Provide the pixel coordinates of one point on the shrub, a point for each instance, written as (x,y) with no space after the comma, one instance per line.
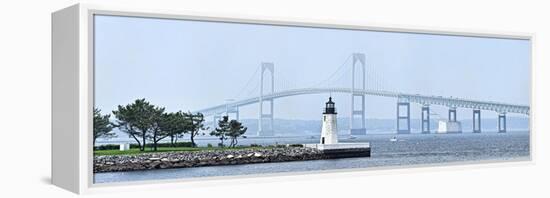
(295,145)
(255,145)
(209,145)
(132,146)
(179,144)
(107,147)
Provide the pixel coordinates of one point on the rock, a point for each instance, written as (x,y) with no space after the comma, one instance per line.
(155,164)
(185,159)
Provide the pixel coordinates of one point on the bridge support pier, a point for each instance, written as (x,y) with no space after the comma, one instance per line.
(406,116)
(476,121)
(502,123)
(425,119)
(266,116)
(452,114)
(358,60)
(358,113)
(235,111)
(215,118)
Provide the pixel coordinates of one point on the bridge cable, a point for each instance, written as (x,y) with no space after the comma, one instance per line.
(248,83)
(333,74)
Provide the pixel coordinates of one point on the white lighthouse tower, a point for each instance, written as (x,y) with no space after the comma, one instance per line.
(329,132)
(329,145)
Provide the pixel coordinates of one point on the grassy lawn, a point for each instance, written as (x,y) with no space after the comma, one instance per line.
(135,151)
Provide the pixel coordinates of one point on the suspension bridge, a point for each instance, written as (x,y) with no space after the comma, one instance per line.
(358,90)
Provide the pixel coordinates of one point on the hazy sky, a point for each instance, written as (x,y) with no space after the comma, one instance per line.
(190,65)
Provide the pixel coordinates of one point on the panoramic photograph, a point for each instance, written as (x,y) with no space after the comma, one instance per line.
(183,99)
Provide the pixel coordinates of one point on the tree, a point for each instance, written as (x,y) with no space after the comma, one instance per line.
(138,119)
(174,125)
(103,128)
(236,129)
(221,130)
(157,132)
(229,129)
(195,125)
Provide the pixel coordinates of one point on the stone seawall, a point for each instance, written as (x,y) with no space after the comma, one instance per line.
(185,159)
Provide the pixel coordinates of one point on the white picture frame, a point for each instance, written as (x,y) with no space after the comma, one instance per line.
(72,84)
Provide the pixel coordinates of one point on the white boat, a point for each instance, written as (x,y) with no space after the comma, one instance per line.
(393,139)
(351,137)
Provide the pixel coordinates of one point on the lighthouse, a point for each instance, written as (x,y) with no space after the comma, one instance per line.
(329,146)
(329,131)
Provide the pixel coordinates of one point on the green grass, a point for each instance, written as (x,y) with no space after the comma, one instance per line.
(135,151)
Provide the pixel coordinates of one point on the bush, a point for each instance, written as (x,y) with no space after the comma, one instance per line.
(255,145)
(179,144)
(295,145)
(209,145)
(135,146)
(107,147)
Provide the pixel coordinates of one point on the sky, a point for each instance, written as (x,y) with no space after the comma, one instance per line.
(191,65)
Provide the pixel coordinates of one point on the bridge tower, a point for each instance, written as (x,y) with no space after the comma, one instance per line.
(358,60)
(263,116)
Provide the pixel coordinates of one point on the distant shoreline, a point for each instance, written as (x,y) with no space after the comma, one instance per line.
(306,136)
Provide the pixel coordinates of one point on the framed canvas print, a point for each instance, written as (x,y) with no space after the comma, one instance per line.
(142,96)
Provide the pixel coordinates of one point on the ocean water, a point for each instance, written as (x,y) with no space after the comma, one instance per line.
(410,149)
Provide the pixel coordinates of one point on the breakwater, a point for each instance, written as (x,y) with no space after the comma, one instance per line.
(186,159)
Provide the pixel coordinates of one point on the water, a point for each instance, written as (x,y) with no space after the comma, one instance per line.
(408,150)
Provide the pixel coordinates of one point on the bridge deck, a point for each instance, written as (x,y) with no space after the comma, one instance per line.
(414,98)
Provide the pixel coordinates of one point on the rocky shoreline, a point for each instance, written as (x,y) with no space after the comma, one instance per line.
(186,159)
